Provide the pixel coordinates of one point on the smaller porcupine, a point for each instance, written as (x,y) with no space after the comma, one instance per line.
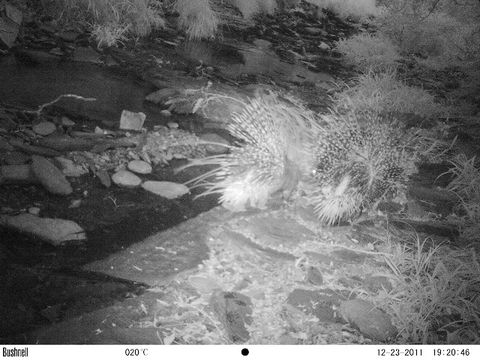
(341,162)
(269,159)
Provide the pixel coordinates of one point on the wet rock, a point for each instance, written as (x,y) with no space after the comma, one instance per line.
(32,149)
(204,284)
(369,320)
(66,143)
(314,276)
(9,25)
(234,311)
(166,189)
(126,179)
(215,148)
(139,167)
(69,168)
(104,178)
(132,120)
(52,179)
(161,96)
(12,174)
(54,231)
(16,158)
(44,128)
(350,256)
(318,303)
(376,283)
(87,55)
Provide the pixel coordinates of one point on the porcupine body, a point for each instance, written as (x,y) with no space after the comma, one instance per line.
(360,158)
(343,163)
(270,157)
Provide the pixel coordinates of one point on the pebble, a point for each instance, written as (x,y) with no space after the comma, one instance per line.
(166,113)
(139,167)
(34,210)
(52,178)
(67,122)
(124,178)
(132,120)
(166,189)
(44,128)
(324,46)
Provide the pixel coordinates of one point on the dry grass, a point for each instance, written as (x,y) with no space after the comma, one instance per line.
(250,8)
(112,20)
(435,298)
(197,18)
(368,51)
(437,37)
(354,9)
(383,92)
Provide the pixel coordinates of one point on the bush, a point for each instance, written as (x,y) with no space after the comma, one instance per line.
(369,51)
(197,18)
(354,9)
(382,92)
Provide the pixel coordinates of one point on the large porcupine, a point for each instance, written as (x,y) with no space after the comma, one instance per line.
(341,162)
(360,157)
(269,158)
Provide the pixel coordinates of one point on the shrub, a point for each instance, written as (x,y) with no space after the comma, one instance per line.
(383,92)
(197,18)
(355,9)
(369,51)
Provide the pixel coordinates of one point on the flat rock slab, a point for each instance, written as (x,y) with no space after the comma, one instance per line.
(161,256)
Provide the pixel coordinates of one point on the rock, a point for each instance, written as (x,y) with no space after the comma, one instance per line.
(324,46)
(12,174)
(215,148)
(34,210)
(54,231)
(166,189)
(161,96)
(314,276)
(375,283)
(172,125)
(104,178)
(10,25)
(139,167)
(31,149)
(16,158)
(369,320)
(262,44)
(66,143)
(67,122)
(124,178)
(44,128)
(310,30)
(5,146)
(75,204)
(165,113)
(203,284)
(132,120)
(69,168)
(69,36)
(234,311)
(318,303)
(50,176)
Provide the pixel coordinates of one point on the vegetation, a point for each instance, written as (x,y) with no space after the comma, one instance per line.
(354,9)
(197,18)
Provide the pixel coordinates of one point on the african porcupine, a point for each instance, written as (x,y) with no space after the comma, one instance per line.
(341,162)
(359,157)
(271,157)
